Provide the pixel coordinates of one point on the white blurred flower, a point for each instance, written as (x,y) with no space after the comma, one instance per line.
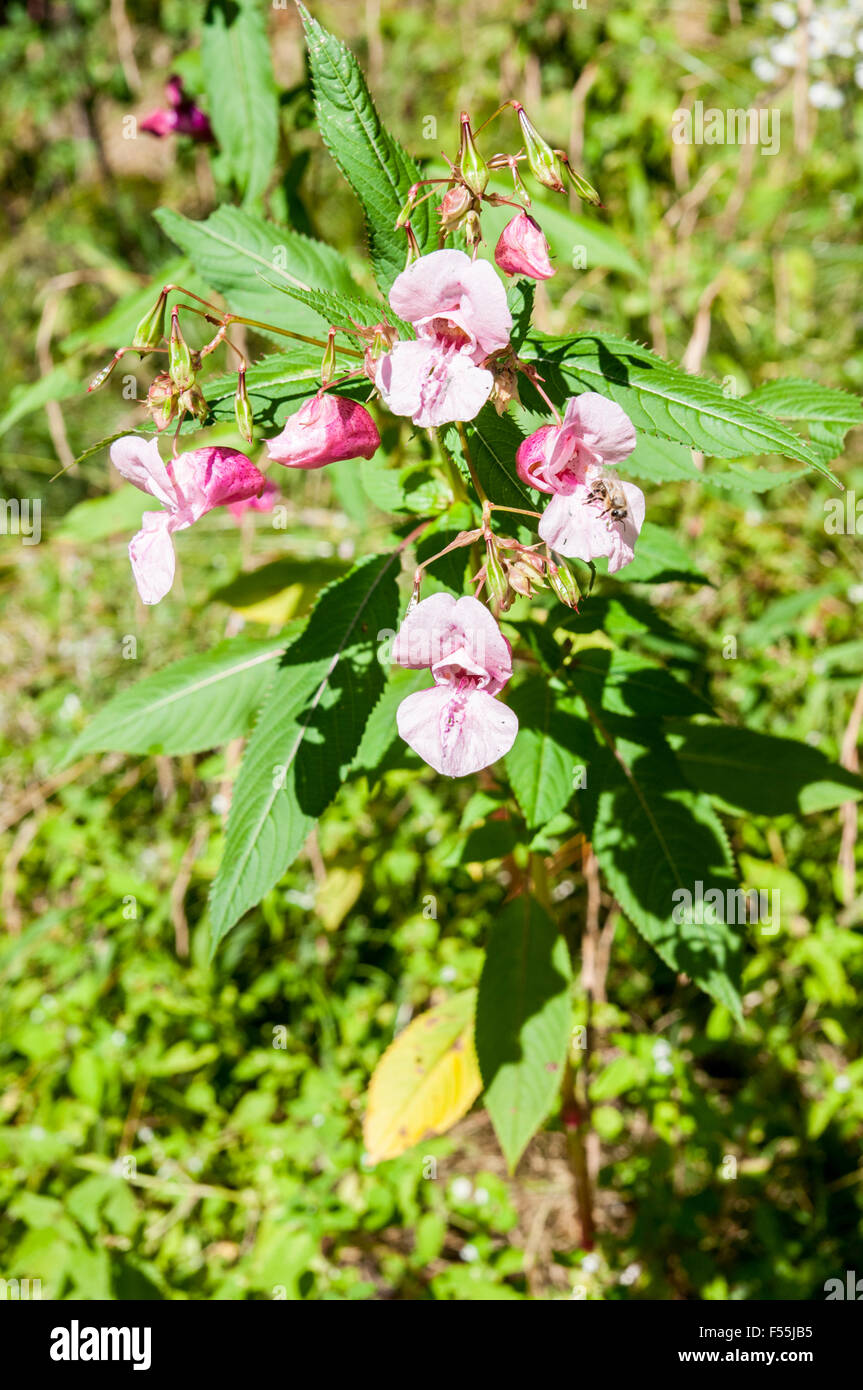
(630,1274)
(480,1196)
(461,1189)
(469,1253)
(784,53)
(858,74)
(764,70)
(842,1084)
(591,1263)
(825,97)
(784,14)
(448,974)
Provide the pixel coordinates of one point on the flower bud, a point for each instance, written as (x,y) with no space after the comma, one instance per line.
(584,189)
(151,329)
(180,364)
(243,409)
(495,578)
(192,400)
(471,164)
(326,429)
(456,203)
(544,163)
(562,581)
(162,400)
(472,228)
(328,365)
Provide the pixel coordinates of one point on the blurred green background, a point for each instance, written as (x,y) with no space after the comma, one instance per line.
(159,1137)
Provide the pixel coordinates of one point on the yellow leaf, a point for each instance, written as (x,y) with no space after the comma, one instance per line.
(337,895)
(426,1080)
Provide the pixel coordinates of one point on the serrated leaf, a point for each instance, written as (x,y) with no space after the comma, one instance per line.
(662,399)
(523,1022)
(660,461)
(244,103)
(191,705)
(426,1080)
(306,737)
(373,162)
(552,740)
(653,836)
(237,253)
(760,773)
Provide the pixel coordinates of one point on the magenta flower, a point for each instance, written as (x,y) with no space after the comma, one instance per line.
(458,308)
(324,430)
(594,432)
(456,725)
(601,516)
(523,250)
(181,117)
(188,486)
(264,503)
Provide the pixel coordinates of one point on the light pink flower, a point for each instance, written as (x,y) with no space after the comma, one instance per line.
(188,487)
(523,250)
(324,430)
(595,431)
(264,503)
(579,523)
(458,308)
(180,117)
(456,726)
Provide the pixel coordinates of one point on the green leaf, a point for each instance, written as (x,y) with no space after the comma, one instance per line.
(194,704)
(624,683)
(306,737)
(379,171)
(551,742)
(736,477)
(237,253)
(828,413)
(662,399)
(760,773)
(244,103)
(660,461)
(523,1022)
(652,837)
(492,441)
(339,308)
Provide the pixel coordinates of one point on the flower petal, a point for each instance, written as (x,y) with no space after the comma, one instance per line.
(151,552)
(140,462)
(456,733)
(602,425)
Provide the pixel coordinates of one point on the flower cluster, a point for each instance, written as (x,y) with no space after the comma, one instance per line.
(455,356)
(828,40)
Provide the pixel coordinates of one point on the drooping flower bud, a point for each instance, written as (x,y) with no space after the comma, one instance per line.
(151,329)
(243,408)
(562,581)
(324,430)
(192,401)
(472,228)
(162,400)
(523,250)
(544,163)
(471,164)
(180,365)
(495,578)
(456,203)
(328,365)
(584,189)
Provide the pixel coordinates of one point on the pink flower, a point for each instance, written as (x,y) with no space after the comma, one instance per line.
(523,250)
(264,503)
(456,726)
(601,516)
(324,430)
(458,308)
(595,431)
(182,116)
(188,486)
